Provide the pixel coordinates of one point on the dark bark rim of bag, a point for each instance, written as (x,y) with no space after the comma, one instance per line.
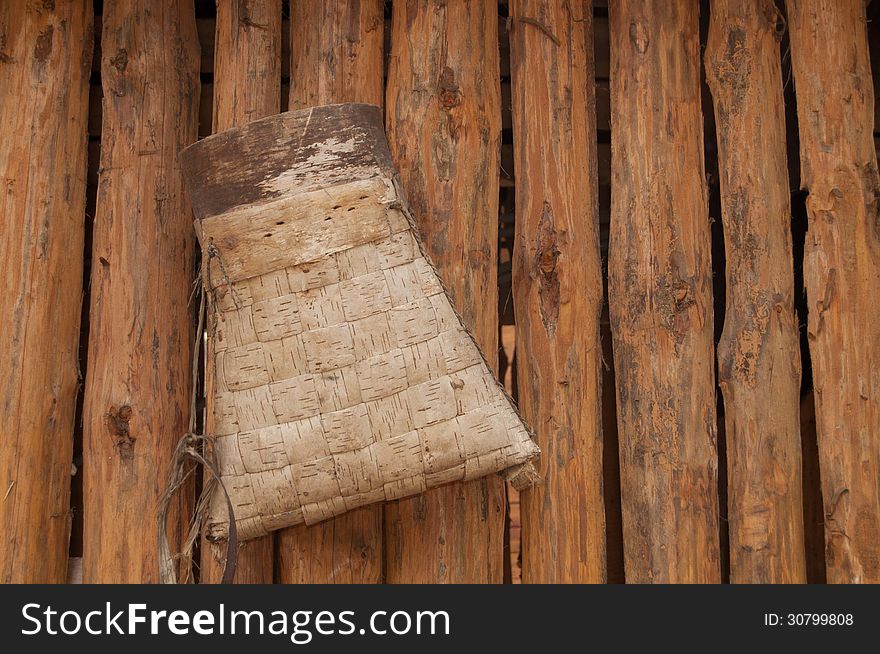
(326,314)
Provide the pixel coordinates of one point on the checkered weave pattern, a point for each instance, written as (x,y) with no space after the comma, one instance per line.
(342,375)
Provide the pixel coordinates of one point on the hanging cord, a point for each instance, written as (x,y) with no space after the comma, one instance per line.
(194,447)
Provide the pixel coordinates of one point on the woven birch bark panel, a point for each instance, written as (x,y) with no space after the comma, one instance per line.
(343,376)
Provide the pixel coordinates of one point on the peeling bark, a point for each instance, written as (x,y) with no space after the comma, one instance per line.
(835,101)
(247,86)
(142,323)
(558,287)
(758,356)
(443,120)
(660,290)
(336,56)
(45,58)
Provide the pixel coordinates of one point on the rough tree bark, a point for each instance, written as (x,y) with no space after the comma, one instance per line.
(247,86)
(835,102)
(443,121)
(138,385)
(336,51)
(660,289)
(758,356)
(45,59)
(557,287)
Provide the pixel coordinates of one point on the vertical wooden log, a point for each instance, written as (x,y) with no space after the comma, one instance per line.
(835,102)
(336,55)
(247,86)
(336,52)
(45,59)
(758,356)
(660,290)
(443,118)
(557,285)
(138,386)
(247,62)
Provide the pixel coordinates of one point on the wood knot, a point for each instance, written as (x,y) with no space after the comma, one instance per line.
(118,419)
(683,295)
(450,94)
(545,270)
(375,24)
(120,60)
(775,20)
(639,36)
(43,45)
(675,296)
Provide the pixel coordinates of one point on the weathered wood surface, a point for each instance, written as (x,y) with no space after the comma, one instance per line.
(247,62)
(557,286)
(758,355)
(336,52)
(443,121)
(660,294)
(835,101)
(45,58)
(336,55)
(137,397)
(247,86)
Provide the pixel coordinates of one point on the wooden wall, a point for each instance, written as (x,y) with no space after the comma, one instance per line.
(713,416)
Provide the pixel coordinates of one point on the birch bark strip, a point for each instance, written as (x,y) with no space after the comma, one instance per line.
(336,55)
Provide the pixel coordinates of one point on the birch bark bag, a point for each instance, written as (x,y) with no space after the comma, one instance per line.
(342,374)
